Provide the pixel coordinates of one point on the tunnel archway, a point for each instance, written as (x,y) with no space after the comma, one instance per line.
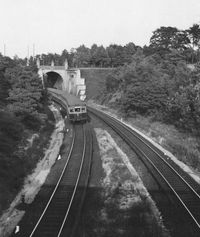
(53,80)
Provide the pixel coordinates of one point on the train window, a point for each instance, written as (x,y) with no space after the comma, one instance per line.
(77,109)
(83,109)
(71,110)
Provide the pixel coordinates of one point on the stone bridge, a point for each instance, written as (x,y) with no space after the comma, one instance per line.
(63,78)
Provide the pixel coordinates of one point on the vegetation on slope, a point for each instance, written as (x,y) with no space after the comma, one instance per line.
(23,114)
(159,87)
(158,90)
(95,81)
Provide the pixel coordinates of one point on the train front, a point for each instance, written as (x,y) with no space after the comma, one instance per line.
(77,112)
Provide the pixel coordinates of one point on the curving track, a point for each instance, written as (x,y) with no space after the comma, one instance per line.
(61,215)
(58,218)
(176,182)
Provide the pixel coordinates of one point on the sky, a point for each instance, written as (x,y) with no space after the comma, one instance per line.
(55,25)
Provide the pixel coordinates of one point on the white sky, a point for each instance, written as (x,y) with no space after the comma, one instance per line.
(54,25)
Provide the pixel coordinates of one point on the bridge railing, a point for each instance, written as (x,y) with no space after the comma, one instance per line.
(52,67)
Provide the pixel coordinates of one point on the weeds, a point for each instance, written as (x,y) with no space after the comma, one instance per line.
(182,145)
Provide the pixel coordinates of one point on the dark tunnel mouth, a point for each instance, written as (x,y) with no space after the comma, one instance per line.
(53,80)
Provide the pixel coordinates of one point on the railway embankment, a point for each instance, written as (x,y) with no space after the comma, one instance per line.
(182,148)
(171,215)
(34,181)
(117,202)
(95,80)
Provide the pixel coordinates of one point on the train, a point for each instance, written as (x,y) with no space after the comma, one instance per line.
(76,109)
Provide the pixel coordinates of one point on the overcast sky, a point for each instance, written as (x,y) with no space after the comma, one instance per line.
(54,25)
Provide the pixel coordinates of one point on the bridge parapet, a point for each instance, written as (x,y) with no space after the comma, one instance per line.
(44,67)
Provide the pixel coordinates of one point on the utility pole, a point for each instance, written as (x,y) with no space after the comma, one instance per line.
(27,63)
(33,51)
(28,51)
(4,50)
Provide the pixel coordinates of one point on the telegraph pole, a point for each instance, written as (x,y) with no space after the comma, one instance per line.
(4,50)
(27,64)
(33,51)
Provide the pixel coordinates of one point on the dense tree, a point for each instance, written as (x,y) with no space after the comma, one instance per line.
(10,132)
(101,57)
(144,91)
(25,95)
(12,166)
(116,55)
(186,41)
(4,86)
(6,62)
(184,108)
(194,35)
(160,85)
(129,50)
(93,55)
(97,56)
(20,108)
(182,40)
(82,56)
(65,55)
(164,38)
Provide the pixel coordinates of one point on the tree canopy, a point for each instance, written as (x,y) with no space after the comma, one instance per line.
(25,94)
(161,86)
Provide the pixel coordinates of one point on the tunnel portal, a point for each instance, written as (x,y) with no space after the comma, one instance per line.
(53,80)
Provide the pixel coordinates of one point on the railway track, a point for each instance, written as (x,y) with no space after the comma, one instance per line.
(58,219)
(61,215)
(176,182)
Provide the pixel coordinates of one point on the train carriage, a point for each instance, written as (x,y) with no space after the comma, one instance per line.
(76,109)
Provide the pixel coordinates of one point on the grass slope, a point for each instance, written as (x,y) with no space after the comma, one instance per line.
(95,80)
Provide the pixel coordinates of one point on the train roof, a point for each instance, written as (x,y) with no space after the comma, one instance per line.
(72,100)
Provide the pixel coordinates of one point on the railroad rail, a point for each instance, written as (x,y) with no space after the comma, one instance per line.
(61,215)
(58,213)
(178,183)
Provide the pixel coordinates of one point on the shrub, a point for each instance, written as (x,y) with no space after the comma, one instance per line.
(11,131)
